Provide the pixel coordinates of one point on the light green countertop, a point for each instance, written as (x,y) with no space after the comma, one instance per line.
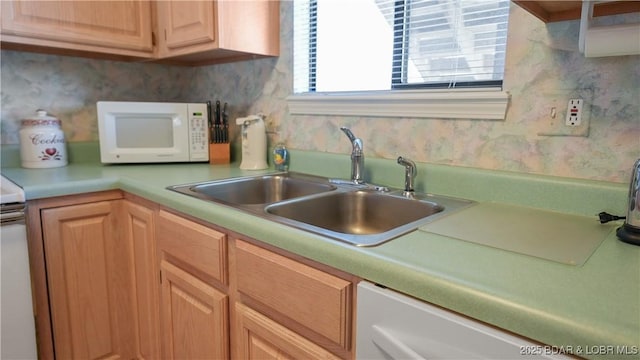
(585,307)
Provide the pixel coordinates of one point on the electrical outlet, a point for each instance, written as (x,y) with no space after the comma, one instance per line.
(554,121)
(574,112)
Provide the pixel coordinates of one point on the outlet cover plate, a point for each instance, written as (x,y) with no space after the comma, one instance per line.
(558,100)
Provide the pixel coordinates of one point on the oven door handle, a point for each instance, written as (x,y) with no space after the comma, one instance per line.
(12,218)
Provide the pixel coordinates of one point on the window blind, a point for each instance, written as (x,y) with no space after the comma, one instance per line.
(363,45)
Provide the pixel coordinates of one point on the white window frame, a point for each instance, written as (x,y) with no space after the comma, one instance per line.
(488,103)
(470,104)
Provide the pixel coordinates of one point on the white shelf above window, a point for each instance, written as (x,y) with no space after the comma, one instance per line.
(479,104)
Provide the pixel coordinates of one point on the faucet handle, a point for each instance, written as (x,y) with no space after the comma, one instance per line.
(356,143)
(349,134)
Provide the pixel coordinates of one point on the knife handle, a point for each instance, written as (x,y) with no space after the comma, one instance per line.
(218,136)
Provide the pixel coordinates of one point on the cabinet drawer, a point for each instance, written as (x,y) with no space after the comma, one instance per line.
(310,297)
(197,247)
(263,338)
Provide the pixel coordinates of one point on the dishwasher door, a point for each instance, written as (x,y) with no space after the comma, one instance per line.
(391,325)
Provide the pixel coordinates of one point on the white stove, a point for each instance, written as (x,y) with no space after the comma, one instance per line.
(18,335)
(10,192)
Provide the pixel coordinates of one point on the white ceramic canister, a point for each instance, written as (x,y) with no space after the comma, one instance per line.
(42,143)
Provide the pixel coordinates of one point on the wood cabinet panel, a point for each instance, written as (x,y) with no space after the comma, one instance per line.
(139,231)
(118,27)
(186,23)
(205,32)
(104,255)
(200,249)
(318,300)
(263,338)
(35,238)
(89,282)
(195,320)
(171,31)
(552,11)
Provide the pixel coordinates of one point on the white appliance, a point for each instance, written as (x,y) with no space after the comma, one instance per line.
(254,142)
(395,326)
(151,132)
(17,324)
(597,40)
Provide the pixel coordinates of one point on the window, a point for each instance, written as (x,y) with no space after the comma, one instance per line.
(381,45)
(359,45)
(439,59)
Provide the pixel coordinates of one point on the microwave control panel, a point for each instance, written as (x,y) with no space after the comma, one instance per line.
(198,132)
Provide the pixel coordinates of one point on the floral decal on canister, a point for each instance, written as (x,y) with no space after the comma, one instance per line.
(50,154)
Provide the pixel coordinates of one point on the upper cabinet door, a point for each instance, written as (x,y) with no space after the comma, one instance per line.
(185,23)
(207,32)
(116,27)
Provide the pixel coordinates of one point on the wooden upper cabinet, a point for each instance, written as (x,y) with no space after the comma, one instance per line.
(113,27)
(204,32)
(552,11)
(185,23)
(186,32)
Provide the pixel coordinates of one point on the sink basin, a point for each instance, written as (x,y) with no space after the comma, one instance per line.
(359,214)
(362,218)
(257,190)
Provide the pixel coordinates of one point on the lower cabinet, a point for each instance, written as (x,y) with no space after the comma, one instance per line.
(281,307)
(90,287)
(194,306)
(139,233)
(260,337)
(289,308)
(125,279)
(97,293)
(194,316)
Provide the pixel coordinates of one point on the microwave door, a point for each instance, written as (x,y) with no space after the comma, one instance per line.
(143,132)
(149,137)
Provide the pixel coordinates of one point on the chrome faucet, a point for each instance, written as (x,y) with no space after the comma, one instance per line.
(357,157)
(409,175)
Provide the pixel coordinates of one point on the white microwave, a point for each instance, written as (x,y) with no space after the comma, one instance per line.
(152,132)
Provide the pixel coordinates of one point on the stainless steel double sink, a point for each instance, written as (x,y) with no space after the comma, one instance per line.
(358,214)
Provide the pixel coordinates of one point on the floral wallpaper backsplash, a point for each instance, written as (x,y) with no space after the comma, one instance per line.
(543,65)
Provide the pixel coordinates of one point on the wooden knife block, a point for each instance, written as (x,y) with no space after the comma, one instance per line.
(219,153)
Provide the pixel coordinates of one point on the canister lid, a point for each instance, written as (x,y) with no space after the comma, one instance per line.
(41,119)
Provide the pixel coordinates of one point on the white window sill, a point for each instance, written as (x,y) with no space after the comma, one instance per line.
(480,104)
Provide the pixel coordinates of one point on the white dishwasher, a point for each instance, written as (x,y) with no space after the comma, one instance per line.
(391,325)
(17,331)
